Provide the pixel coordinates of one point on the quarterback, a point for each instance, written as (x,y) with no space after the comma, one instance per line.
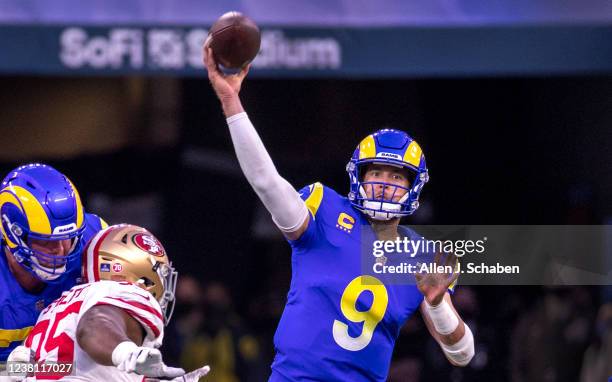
(44,229)
(109,328)
(338,323)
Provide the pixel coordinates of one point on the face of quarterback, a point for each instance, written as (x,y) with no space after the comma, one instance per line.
(387,174)
(50,247)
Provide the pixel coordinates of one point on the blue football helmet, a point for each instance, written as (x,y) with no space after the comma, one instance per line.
(392,148)
(38,202)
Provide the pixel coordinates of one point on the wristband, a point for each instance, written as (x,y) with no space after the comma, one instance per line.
(443,318)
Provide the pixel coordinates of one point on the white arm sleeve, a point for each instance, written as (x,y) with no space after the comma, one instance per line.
(278,196)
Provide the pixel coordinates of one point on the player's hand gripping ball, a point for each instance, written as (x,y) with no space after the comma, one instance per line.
(235,40)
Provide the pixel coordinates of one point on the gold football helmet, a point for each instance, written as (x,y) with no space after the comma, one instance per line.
(126,252)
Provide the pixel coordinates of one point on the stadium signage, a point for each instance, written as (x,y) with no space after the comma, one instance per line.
(309,51)
(178,49)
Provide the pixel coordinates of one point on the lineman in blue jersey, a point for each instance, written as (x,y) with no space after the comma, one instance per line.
(44,229)
(330,329)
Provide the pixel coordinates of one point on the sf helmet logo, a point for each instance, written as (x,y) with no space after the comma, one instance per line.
(148,243)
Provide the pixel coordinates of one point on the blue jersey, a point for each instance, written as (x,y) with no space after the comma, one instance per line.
(19,309)
(341,321)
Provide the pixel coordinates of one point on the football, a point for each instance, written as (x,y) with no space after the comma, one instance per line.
(235,40)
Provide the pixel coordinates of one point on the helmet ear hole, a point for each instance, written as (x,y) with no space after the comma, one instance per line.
(124,239)
(147,282)
(149,285)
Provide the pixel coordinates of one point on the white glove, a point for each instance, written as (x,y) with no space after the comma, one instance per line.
(21,354)
(131,358)
(193,376)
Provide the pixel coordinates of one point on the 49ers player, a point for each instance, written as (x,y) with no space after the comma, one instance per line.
(109,329)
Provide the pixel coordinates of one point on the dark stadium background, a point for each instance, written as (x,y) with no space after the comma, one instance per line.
(532,150)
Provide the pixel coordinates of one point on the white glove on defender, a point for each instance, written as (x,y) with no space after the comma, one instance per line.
(21,354)
(132,358)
